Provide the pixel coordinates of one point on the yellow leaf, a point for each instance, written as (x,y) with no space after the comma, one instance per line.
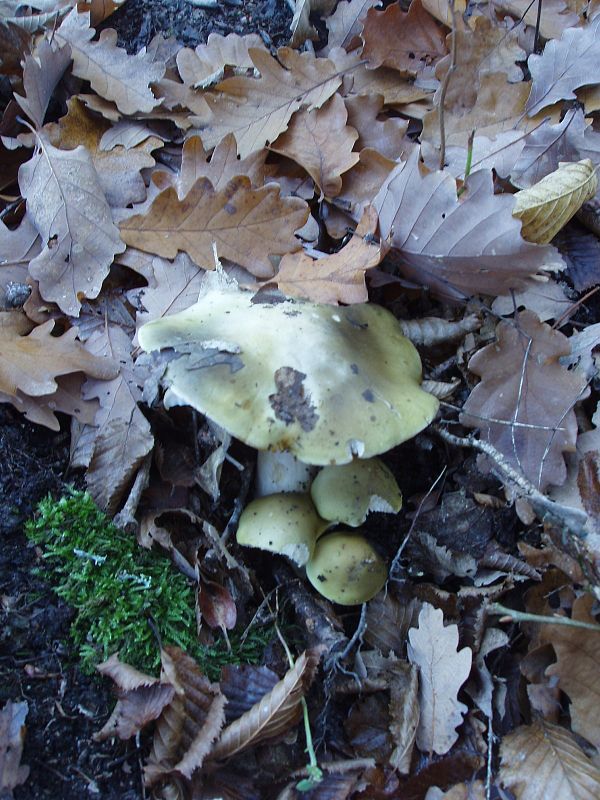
(548,205)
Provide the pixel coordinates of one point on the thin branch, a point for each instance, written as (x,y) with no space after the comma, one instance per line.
(571,518)
(524,616)
(536,38)
(445,85)
(497,421)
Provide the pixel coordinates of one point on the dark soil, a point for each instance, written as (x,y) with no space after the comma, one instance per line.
(36,660)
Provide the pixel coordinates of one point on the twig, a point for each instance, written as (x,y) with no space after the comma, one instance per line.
(445,85)
(488,773)
(524,616)
(571,518)
(536,38)
(125,519)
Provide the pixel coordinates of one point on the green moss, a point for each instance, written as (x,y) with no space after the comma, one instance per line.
(115,587)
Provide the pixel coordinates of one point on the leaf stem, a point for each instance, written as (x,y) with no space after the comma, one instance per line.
(524,616)
(445,84)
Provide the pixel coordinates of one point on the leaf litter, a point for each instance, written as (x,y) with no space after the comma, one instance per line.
(409,161)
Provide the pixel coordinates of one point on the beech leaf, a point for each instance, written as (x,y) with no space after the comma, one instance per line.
(548,205)
(69,210)
(274,714)
(565,65)
(321,142)
(257,110)
(524,402)
(247,225)
(432,647)
(456,246)
(544,760)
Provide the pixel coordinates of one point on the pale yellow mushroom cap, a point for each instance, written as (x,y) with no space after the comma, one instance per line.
(347,493)
(346,569)
(284,523)
(323,382)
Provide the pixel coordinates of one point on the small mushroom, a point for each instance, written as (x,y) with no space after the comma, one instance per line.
(349,492)
(346,569)
(284,523)
(324,383)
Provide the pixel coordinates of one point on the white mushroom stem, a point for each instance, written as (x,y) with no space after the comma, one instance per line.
(281,472)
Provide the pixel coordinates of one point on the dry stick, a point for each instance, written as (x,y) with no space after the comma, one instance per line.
(536,40)
(445,84)
(524,616)
(571,518)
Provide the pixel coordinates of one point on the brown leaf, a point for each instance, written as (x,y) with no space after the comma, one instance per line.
(216,605)
(247,224)
(578,663)
(112,73)
(115,447)
(321,142)
(442,669)
(118,168)
(244,685)
(544,760)
(388,621)
(206,64)
(12,737)
(257,110)
(141,699)
(337,278)
(388,138)
(31,363)
(456,246)
(189,725)
(300,25)
(523,382)
(345,24)
(403,41)
(67,206)
(41,72)
(223,166)
(274,714)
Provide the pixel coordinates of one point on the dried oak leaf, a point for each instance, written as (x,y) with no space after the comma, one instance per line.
(565,65)
(321,142)
(42,70)
(455,246)
(140,699)
(17,248)
(112,73)
(544,760)
(547,206)
(67,206)
(118,168)
(336,278)
(187,728)
(345,24)
(257,110)
(220,168)
(388,137)
(12,737)
(31,363)
(206,64)
(405,41)
(248,225)
(443,669)
(577,668)
(523,382)
(274,714)
(115,447)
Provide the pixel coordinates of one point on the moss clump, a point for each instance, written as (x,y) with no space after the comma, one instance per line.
(115,586)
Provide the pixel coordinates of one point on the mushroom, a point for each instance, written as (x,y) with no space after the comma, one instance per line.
(285,523)
(349,492)
(322,382)
(346,569)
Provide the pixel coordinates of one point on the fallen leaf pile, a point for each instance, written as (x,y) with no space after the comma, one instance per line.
(440,163)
